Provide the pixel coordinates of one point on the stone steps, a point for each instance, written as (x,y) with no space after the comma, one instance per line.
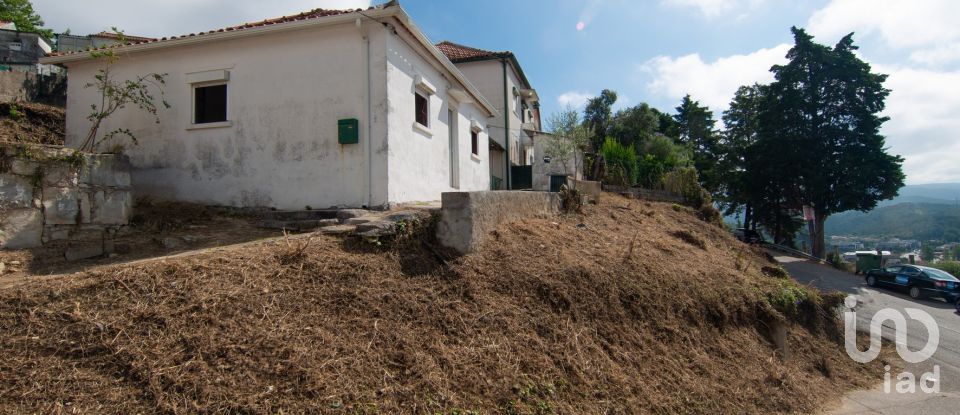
(299,215)
(347,221)
(298,225)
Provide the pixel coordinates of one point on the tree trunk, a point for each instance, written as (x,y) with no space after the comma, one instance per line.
(819,248)
(748,217)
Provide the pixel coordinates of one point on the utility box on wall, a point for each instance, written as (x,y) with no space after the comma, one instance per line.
(348,131)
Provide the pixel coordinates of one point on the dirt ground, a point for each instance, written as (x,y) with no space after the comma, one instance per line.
(631,307)
(25,122)
(158,230)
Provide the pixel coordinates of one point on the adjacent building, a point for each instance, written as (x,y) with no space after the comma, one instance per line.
(21,51)
(500,78)
(328,108)
(73,43)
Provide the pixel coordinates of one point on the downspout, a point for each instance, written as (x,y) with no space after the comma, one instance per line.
(368,141)
(506,126)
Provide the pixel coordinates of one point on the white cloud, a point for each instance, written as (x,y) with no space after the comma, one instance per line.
(926,27)
(575,99)
(171,17)
(711,83)
(922,105)
(925,91)
(922,108)
(714,8)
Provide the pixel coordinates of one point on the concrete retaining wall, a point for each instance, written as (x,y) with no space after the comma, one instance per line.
(51,194)
(468,217)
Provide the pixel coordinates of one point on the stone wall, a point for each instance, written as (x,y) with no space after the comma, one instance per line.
(654,195)
(52,195)
(468,217)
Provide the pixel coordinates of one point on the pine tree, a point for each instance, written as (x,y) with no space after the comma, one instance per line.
(697,130)
(821,125)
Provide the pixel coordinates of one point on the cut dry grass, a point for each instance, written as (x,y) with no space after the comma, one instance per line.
(544,319)
(25,122)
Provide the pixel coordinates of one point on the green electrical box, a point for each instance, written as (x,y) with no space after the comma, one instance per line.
(348,131)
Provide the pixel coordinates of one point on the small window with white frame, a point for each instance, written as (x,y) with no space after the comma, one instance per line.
(517,105)
(422,92)
(16,46)
(475,130)
(209,92)
(475,142)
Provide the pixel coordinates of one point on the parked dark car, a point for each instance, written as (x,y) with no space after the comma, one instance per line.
(916,280)
(749,236)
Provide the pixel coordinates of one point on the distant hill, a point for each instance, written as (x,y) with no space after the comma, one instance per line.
(923,221)
(938,193)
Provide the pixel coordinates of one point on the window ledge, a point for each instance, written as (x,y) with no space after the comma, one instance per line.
(474,157)
(423,129)
(206,125)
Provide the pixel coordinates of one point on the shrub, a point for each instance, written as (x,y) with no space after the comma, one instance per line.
(571,200)
(660,155)
(953,267)
(787,298)
(622,163)
(686,182)
(835,260)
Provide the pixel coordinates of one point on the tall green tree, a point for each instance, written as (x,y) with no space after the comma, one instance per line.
(21,13)
(735,149)
(697,130)
(822,120)
(596,116)
(635,125)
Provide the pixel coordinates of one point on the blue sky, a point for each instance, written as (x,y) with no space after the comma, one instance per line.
(652,51)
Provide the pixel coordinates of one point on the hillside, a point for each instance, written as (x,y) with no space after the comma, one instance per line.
(923,221)
(631,308)
(937,193)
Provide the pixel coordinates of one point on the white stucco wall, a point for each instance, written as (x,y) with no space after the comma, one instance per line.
(418,160)
(285,94)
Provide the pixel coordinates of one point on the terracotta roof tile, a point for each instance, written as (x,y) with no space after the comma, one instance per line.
(129,38)
(459,53)
(312,14)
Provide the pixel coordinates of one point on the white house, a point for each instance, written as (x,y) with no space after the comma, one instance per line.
(500,78)
(264,114)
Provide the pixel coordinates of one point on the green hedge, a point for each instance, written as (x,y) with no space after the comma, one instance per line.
(622,163)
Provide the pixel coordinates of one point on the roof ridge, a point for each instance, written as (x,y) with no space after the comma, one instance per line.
(306,15)
(460,45)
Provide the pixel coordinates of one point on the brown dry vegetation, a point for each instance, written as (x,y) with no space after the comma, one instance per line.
(607,312)
(25,122)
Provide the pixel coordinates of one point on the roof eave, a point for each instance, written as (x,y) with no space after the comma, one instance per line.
(218,36)
(509,56)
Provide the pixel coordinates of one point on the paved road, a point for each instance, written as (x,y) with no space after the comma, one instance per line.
(871,300)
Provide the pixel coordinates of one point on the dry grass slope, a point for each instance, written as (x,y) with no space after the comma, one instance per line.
(607,312)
